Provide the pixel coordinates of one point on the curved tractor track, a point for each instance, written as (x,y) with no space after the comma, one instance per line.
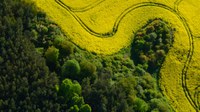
(113,31)
(197,96)
(123,14)
(82,9)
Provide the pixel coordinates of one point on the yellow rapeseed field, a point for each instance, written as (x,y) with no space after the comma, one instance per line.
(100,20)
(193,75)
(106,26)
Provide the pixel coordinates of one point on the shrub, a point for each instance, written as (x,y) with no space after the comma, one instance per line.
(143,58)
(71,69)
(69,89)
(87,68)
(150,82)
(42,29)
(34,34)
(153,36)
(77,100)
(40,50)
(140,105)
(58,39)
(52,54)
(139,70)
(74,109)
(66,48)
(85,108)
(158,104)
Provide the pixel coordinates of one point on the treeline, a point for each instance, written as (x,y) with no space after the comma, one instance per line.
(41,70)
(109,83)
(26,84)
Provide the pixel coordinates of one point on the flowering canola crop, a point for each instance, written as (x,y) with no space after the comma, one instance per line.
(106,26)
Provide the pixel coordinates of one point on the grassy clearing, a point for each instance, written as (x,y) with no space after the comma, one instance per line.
(87,27)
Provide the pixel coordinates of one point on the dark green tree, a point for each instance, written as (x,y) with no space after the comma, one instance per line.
(52,54)
(71,69)
(87,69)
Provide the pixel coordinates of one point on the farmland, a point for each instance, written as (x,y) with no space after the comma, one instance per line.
(105,27)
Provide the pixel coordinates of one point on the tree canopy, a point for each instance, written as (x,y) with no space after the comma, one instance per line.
(42,70)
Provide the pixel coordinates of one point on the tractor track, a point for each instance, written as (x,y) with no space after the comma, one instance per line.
(86,8)
(176,3)
(197,96)
(113,31)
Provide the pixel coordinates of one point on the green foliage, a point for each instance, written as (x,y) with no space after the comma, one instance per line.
(53,29)
(74,109)
(108,83)
(71,69)
(128,85)
(66,47)
(40,50)
(34,34)
(52,54)
(25,81)
(148,82)
(85,108)
(68,89)
(140,105)
(71,91)
(58,39)
(87,69)
(76,100)
(139,70)
(151,44)
(26,84)
(158,104)
(1,60)
(41,28)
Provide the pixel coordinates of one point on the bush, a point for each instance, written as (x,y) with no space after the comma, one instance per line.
(85,108)
(42,29)
(149,81)
(66,48)
(71,69)
(52,54)
(158,104)
(139,70)
(77,100)
(58,39)
(140,105)
(87,69)
(69,89)
(74,109)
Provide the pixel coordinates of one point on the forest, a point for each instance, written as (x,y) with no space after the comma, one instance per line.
(42,70)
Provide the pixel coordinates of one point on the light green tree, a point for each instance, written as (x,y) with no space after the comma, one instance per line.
(85,108)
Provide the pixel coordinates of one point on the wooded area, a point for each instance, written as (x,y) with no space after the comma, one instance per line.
(42,70)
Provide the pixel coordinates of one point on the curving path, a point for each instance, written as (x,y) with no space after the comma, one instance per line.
(81,9)
(115,29)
